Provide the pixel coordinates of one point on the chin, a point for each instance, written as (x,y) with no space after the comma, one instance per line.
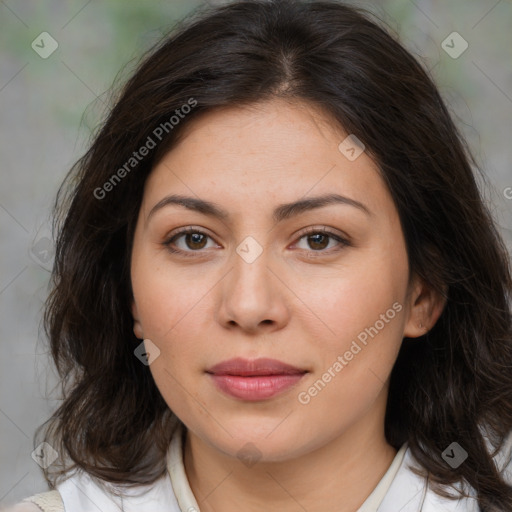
(261,442)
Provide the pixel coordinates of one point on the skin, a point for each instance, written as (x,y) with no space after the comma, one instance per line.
(301,301)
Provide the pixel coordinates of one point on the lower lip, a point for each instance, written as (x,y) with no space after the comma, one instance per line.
(255,388)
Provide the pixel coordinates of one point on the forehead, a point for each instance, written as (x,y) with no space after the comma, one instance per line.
(275,149)
(275,127)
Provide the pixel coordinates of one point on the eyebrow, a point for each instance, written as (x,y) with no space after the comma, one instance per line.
(280,213)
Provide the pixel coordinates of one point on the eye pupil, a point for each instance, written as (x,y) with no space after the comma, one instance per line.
(315,236)
(196,239)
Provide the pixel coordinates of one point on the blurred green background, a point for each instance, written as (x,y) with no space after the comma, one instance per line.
(48,108)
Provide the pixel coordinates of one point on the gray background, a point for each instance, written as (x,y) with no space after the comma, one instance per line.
(48,108)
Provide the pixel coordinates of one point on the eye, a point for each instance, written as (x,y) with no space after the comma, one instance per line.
(319,239)
(194,240)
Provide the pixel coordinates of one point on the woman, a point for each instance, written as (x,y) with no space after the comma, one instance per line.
(277,285)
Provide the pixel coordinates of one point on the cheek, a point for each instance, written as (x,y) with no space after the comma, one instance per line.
(348,299)
(165,299)
(168,311)
(361,308)
(171,306)
(354,363)
(365,328)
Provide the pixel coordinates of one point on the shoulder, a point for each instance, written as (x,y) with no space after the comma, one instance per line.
(84,493)
(409,492)
(22,507)
(50,501)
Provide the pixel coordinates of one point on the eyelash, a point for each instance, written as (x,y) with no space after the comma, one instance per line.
(311,231)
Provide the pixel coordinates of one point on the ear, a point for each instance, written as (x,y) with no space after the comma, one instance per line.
(425,307)
(137,327)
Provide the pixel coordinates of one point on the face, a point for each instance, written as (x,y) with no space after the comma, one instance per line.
(322,287)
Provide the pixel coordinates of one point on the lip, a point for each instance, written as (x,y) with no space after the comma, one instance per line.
(256,367)
(254,380)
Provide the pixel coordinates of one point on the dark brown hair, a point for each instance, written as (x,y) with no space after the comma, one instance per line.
(445,387)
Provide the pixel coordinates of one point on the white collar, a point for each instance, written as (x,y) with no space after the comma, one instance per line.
(176,470)
(407,492)
(374,500)
(399,489)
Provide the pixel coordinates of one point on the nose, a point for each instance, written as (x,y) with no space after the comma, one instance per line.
(253,297)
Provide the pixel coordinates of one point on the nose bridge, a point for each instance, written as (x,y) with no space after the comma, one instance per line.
(250,270)
(251,293)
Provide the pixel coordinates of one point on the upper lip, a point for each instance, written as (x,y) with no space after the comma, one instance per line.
(246,367)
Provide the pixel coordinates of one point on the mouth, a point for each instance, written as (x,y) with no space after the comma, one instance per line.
(255,380)
(252,368)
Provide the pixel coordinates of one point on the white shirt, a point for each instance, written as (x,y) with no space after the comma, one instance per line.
(399,489)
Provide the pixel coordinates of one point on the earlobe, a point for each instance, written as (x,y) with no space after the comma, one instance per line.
(137,327)
(425,308)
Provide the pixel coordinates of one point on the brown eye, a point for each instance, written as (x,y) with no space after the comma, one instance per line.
(318,240)
(194,241)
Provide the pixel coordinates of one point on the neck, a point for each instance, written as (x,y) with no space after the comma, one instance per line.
(337,476)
